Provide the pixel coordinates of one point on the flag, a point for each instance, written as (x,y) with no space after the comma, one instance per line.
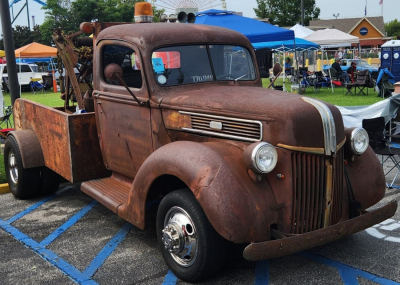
(380,2)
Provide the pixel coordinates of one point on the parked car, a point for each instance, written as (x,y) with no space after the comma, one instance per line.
(53,66)
(361,65)
(26,72)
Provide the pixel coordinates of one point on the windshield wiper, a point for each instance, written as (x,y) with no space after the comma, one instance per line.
(243,76)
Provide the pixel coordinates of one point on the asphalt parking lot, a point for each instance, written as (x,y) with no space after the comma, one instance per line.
(68,238)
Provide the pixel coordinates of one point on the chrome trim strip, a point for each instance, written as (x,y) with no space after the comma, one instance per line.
(223,135)
(328,125)
(220,135)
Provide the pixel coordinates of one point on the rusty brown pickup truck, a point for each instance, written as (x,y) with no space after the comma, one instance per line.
(176,113)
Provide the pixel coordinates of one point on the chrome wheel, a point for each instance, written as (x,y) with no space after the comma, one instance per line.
(179,236)
(12,167)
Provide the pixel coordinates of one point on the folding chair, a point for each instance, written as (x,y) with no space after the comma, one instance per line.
(36,86)
(375,128)
(386,87)
(361,83)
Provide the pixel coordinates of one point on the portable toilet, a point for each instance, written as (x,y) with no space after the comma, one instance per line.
(390,57)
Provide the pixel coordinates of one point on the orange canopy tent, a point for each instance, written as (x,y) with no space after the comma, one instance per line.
(35,50)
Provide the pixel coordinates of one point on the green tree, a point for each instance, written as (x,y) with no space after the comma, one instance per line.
(392,28)
(23,36)
(68,14)
(261,10)
(286,13)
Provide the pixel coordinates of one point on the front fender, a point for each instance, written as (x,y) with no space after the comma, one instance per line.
(238,208)
(367,178)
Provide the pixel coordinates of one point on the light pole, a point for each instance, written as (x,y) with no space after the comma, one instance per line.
(336,15)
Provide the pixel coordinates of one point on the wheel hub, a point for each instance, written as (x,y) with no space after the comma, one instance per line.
(171,238)
(13,169)
(179,236)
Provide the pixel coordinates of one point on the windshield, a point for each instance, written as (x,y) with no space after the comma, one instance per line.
(181,65)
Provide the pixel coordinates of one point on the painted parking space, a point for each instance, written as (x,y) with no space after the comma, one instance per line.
(84,241)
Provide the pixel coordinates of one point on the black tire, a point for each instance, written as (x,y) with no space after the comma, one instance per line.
(23,183)
(49,181)
(181,206)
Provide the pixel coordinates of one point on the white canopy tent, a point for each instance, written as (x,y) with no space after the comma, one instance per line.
(331,38)
(301,32)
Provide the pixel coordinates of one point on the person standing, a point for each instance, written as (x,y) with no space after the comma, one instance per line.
(340,54)
(288,67)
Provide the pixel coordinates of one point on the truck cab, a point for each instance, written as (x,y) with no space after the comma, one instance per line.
(184,121)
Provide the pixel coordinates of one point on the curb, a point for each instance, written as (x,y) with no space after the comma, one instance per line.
(4,188)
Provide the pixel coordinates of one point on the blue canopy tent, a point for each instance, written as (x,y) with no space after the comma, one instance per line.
(288,46)
(254,30)
(33,60)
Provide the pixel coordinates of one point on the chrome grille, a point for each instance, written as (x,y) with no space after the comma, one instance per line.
(233,128)
(338,188)
(309,191)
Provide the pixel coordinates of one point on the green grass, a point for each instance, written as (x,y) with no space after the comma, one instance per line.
(337,98)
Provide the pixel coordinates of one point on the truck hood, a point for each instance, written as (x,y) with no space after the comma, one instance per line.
(287,119)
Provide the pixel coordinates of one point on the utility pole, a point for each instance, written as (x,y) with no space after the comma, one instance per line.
(9,50)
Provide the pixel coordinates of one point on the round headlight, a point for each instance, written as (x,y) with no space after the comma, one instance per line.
(359,140)
(264,158)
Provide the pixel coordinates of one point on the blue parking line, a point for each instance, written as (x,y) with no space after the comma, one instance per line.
(30,209)
(262,273)
(349,274)
(107,250)
(170,278)
(69,270)
(34,206)
(49,239)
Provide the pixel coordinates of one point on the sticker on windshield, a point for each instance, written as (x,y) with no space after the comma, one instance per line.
(202,78)
(161,79)
(158,65)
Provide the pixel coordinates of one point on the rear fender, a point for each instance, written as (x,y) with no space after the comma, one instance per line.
(29,147)
(238,208)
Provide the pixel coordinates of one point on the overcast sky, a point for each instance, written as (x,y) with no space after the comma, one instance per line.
(345,8)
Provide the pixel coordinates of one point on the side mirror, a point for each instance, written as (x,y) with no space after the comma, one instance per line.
(113,72)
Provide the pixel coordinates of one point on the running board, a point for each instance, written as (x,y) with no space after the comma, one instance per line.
(112,191)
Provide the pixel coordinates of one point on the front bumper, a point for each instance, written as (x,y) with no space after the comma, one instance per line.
(289,245)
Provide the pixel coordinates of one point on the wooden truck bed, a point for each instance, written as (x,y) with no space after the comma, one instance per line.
(69,142)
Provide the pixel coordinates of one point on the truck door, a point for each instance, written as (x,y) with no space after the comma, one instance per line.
(124,127)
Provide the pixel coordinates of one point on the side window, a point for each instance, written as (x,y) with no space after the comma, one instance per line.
(128,60)
(25,68)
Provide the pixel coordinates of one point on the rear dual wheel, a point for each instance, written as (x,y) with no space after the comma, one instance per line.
(26,183)
(190,246)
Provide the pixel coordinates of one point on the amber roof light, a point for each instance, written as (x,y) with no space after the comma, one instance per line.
(143,12)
